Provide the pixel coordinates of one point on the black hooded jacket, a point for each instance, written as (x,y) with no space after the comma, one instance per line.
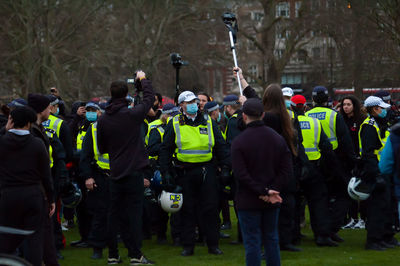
(119,133)
(24,161)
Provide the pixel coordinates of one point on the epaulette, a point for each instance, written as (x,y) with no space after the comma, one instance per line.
(371,121)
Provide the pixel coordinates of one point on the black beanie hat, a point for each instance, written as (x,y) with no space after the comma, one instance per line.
(22,116)
(38,102)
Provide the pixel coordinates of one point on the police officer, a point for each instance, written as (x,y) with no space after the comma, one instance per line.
(373,135)
(57,124)
(316,145)
(212,108)
(92,112)
(233,112)
(154,139)
(195,138)
(95,171)
(338,134)
(393,113)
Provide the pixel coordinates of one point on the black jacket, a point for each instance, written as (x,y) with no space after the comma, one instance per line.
(24,162)
(220,150)
(260,160)
(370,142)
(119,133)
(87,161)
(233,127)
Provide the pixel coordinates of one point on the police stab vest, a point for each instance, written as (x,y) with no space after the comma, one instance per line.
(311,131)
(156,125)
(327,117)
(50,134)
(371,121)
(194,143)
(53,123)
(102,160)
(79,139)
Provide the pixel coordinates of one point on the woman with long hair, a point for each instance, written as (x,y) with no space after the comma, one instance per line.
(353,117)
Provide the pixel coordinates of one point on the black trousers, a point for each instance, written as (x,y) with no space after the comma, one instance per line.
(316,194)
(127,196)
(23,208)
(286,218)
(200,195)
(98,202)
(379,222)
(83,216)
(49,246)
(339,203)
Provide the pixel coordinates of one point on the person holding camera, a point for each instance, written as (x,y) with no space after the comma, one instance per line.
(195,138)
(119,135)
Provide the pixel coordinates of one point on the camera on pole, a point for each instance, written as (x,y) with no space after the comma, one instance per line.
(230,22)
(176,61)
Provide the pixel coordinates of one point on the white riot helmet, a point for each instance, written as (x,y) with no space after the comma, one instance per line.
(358,190)
(171,202)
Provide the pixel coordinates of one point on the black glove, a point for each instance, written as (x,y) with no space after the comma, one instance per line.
(225,176)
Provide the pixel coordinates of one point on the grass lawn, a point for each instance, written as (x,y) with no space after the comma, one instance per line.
(351,252)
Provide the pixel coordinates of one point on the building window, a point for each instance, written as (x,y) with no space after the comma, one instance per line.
(302,55)
(282,34)
(316,53)
(291,79)
(253,72)
(297,7)
(282,9)
(257,16)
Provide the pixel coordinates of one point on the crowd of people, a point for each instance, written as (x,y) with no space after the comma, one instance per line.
(110,163)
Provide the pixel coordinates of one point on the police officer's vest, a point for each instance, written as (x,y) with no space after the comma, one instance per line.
(328,121)
(50,134)
(371,121)
(311,131)
(226,129)
(53,123)
(194,143)
(79,138)
(102,160)
(156,124)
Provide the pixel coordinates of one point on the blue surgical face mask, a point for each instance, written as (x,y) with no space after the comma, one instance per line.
(58,111)
(288,103)
(219,117)
(130,106)
(383,113)
(192,108)
(91,116)
(226,116)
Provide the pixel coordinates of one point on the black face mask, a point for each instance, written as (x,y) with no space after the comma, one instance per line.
(155,108)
